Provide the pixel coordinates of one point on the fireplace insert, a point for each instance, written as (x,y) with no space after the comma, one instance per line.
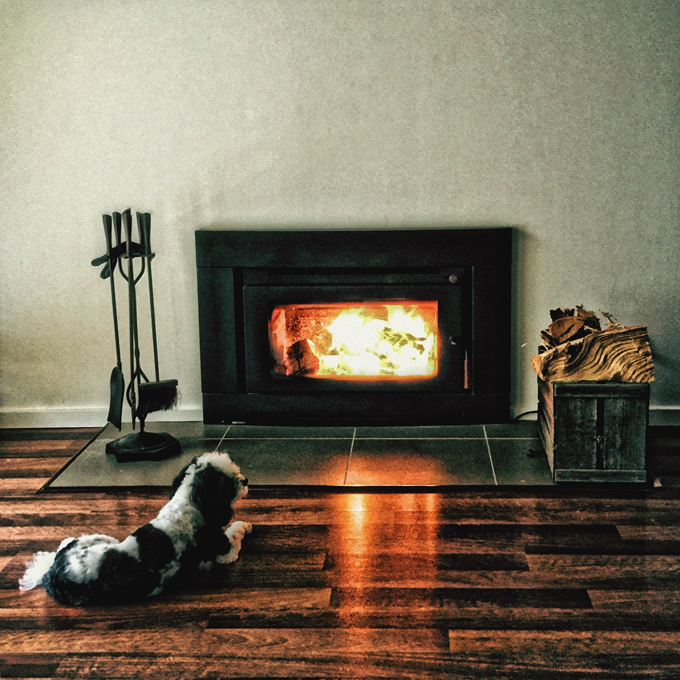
(404,326)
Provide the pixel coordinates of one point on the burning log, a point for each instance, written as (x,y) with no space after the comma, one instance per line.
(575,348)
(300,359)
(296,335)
(278,336)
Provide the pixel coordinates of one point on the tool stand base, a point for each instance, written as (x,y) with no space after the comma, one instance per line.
(144,446)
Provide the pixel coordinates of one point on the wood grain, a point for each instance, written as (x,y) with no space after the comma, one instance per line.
(552,583)
(617,353)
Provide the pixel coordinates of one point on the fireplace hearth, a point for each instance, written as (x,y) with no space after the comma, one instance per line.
(404,326)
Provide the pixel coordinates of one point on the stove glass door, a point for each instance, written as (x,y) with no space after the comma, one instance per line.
(345,338)
(377,340)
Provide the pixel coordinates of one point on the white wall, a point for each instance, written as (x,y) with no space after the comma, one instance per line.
(558,118)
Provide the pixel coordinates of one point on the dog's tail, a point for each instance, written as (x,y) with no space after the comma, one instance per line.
(36,569)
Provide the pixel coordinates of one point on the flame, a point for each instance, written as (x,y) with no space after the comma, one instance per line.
(401,345)
(385,340)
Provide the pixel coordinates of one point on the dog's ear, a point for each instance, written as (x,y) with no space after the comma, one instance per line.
(213,493)
(180,476)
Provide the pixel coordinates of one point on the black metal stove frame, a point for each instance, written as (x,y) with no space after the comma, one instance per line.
(242,275)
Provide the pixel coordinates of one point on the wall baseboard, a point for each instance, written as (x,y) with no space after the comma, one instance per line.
(82,417)
(664,415)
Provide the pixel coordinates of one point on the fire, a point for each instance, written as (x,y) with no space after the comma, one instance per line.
(363,345)
(379,340)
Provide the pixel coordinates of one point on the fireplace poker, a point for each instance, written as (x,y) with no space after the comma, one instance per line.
(135,369)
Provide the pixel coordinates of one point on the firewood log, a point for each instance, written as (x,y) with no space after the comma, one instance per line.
(567,328)
(300,359)
(617,353)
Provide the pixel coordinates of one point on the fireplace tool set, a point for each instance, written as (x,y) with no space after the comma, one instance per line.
(143,395)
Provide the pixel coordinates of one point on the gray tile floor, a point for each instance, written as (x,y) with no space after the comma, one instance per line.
(509,454)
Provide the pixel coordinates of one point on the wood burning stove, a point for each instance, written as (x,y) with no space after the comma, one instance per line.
(370,326)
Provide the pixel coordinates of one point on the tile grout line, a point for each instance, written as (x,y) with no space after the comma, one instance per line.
(488,448)
(438,439)
(291,439)
(382,439)
(349,458)
(219,443)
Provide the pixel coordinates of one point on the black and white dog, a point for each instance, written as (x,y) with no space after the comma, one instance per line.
(188,531)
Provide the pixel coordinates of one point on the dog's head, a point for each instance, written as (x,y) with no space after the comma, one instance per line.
(212,483)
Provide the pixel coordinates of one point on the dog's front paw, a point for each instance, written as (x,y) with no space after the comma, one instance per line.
(235,534)
(238,530)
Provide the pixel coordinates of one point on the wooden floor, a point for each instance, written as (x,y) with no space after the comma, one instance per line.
(470,584)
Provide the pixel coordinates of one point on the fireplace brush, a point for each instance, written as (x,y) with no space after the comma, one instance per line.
(142,395)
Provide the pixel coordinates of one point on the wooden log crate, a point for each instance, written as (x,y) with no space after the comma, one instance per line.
(594,431)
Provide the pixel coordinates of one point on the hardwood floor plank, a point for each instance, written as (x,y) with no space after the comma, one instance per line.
(540,651)
(41,448)
(566,511)
(240,577)
(649,533)
(288,538)
(295,642)
(182,639)
(22,435)
(642,601)
(643,563)
(24,487)
(342,665)
(358,568)
(474,618)
(56,532)
(57,511)
(243,599)
(605,547)
(29,666)
(31,467)
(457,598)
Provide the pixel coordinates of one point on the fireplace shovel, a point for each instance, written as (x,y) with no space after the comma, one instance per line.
(117,380)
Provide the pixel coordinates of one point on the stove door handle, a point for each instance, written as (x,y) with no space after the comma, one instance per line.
(456,342)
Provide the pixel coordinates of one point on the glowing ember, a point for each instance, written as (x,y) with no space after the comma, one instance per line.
(383,340)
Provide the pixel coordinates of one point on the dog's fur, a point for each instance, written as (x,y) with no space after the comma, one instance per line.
(188,531)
